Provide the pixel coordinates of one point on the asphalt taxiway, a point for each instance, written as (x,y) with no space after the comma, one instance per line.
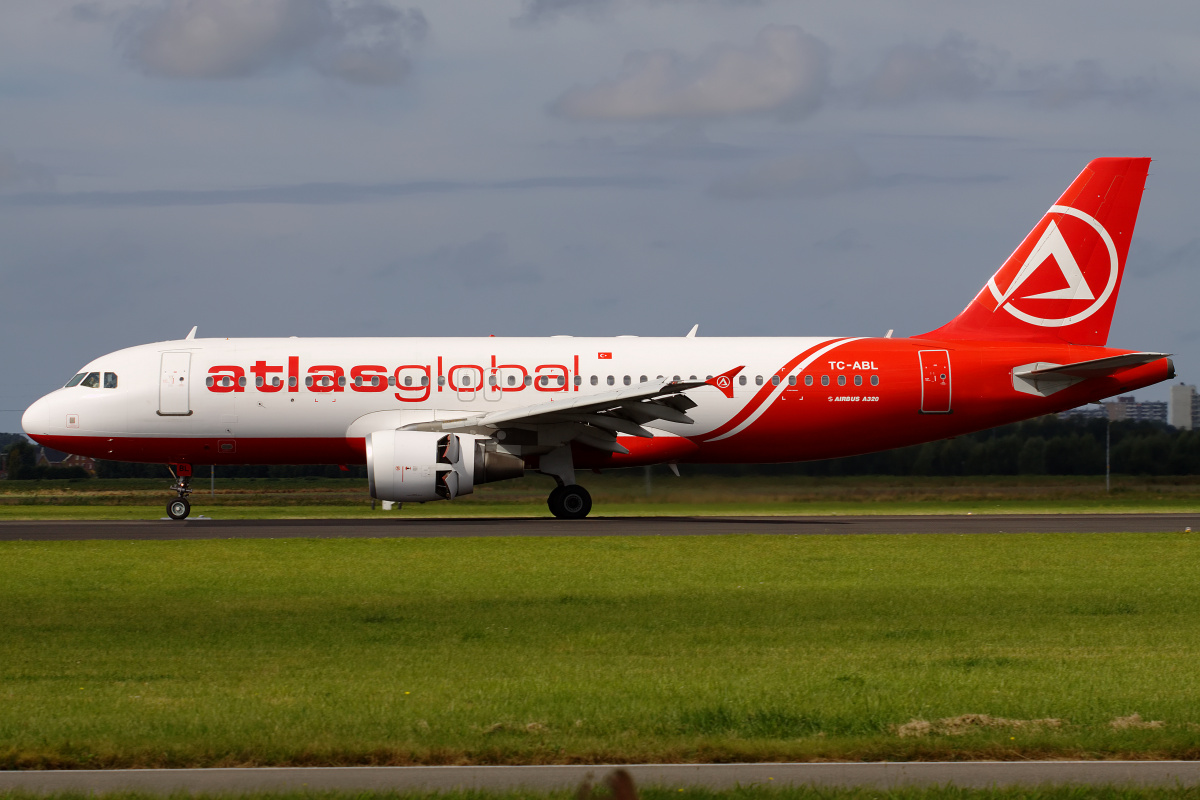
(879,775)
(400,527)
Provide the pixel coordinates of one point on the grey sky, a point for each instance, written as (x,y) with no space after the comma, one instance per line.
(531,167)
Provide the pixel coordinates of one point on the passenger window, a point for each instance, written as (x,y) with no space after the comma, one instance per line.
(791,380)
(874,380)
(758,380)
(357,381)
(627,380)
(92,381)
(110,380)
(342,381)
(824,380)
(691,377)
(841,380)
(441,380)
(595,379)
(408,380)
(75,381)
(858,380)
(808,381)
(391,380)
(611,380)
(292,381)
(208,381)
(774,380)
(642,379)
(259,382)
(424,380)
(466,380)
(241,381)
(578,380)
(512,380)
(529,380)
(675,378)
(491,380)
(308,381)
(742,380)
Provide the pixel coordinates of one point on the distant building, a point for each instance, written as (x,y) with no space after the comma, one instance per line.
(1123,408)
(56,458)
(1184,407)
(1090,411)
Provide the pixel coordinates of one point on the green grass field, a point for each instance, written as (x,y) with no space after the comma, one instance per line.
(616,494)
(548,650)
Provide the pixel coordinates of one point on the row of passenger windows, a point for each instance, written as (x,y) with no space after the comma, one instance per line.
(92,380)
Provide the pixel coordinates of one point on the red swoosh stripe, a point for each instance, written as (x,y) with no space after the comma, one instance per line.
(765,392)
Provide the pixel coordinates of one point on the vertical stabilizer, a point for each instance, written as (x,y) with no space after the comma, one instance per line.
(1061,284)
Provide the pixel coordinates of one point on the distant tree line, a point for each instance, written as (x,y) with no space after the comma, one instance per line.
(1043,446)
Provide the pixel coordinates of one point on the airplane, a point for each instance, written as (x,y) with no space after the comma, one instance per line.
(431,418)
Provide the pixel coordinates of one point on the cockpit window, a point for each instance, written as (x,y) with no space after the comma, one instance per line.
(110,380)
(92,381)
(75,381)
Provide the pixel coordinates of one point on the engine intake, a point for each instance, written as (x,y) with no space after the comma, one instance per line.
(419,466)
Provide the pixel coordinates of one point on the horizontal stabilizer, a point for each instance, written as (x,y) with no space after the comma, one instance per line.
(1045,379)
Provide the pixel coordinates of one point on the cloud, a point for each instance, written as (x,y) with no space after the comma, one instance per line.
(783,72)
(358,41)
(825,172)
(483,263)
(812,175)
(955,69)
(311,193)
(537,12)
(1057,87)
(18,175)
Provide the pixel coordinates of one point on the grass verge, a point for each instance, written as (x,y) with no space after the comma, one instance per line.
(583,650)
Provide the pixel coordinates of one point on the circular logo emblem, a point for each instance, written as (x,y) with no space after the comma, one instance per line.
(1050,288)
(723,382)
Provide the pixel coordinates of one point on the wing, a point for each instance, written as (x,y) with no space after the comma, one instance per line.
(596,419)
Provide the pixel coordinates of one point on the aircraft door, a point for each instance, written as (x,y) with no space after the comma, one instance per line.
(935,381)
(493,388)
(173,388)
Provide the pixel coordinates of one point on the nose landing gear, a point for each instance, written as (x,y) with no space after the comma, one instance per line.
(179,508)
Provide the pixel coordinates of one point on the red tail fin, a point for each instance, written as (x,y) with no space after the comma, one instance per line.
(1062,283)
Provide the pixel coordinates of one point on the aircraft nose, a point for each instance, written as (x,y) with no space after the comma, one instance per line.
(36,419)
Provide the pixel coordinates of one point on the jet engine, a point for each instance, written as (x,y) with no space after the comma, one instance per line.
(418,466)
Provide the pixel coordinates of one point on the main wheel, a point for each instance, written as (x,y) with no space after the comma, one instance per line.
(554,501)
(179,508)
(574,502)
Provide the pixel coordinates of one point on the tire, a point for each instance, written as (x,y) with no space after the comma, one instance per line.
(574,502)
(554,501)
(179,508)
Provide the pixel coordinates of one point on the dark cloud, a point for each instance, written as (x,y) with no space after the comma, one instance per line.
(1062,87)
(825,172)
(955,69)
(483,263)
(784,72)
(811,174)
(18,175)
(311,193)
(358,41)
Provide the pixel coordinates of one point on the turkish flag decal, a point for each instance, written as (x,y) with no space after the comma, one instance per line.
(603,355)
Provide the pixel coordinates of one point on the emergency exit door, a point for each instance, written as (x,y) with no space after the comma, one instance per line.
(935,381)
(173,388)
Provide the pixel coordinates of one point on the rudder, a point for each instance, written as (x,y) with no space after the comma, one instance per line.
(1061,283)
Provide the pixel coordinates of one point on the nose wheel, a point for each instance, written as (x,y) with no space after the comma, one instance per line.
(570,502)
(179,508)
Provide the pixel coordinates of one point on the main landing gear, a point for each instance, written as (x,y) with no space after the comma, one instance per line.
(179,508)
(570,502)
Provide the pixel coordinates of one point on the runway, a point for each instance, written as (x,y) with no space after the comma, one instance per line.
(880,775)
(402,527)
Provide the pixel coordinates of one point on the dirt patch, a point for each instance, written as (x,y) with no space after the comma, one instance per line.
(968,723)
(1135,722)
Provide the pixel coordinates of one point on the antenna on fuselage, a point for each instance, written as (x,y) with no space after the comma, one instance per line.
(692,333)
(191,333)
(888,335)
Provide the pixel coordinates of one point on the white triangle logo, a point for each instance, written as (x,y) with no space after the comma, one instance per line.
(1053,244)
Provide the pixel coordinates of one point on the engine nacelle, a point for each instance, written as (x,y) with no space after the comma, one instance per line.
(419,466)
